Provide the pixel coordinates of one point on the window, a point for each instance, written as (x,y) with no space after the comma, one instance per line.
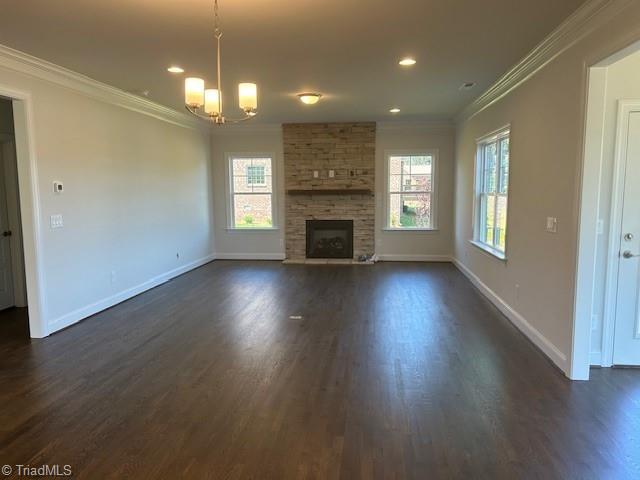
(255,175)
(411,198)
(492,193)
(251,192)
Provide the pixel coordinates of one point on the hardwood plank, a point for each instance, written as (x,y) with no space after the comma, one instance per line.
(398,370)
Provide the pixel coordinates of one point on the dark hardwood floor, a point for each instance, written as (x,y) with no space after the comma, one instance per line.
(396,371)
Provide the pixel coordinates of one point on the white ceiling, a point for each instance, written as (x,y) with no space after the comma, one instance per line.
(346,49)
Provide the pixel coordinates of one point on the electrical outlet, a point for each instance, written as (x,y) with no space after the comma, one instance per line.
(594,322)
(600,227)
(332,173)
(316,174)
(552,224)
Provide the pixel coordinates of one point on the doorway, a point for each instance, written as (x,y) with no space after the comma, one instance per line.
(607,303)
(12,270)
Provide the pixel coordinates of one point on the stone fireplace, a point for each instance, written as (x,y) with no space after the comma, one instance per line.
(329,176)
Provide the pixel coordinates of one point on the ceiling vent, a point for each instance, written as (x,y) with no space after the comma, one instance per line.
(468,85)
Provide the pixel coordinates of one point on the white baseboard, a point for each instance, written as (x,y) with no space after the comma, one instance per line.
(413,258)
(538,339)
(84,312)
(250,256)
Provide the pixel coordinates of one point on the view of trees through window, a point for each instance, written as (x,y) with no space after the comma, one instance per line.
(410,191)
(251,192)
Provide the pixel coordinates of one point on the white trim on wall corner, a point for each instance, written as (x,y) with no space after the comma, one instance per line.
(89,310)
(35,67)
(592,15)
(537,338)
(250,256)
(413,258)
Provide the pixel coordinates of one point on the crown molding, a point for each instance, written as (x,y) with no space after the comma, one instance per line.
(26,64)
(590,16)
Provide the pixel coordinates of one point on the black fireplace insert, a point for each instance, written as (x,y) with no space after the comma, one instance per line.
(329,238)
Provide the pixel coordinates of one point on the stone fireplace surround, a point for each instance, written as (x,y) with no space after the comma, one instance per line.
(347,149)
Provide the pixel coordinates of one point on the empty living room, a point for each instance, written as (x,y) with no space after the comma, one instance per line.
(284,239)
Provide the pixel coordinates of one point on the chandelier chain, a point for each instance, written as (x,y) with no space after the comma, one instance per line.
(216,20)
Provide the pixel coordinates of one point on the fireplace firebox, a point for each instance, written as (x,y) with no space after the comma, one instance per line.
(329,238)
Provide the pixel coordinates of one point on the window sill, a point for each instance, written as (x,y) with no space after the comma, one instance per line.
(423,230)
(240,229)
(491,251)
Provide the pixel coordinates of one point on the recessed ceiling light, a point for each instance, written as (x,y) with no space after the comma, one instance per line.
(175,69)
(310,98)
(407,62)
(394,110)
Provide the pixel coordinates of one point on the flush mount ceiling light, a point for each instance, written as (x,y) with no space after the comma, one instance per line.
(196,96)
(407,62)
(175,69)
(310,98)
(394,110)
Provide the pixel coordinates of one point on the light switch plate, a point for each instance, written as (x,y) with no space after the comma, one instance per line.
(56,221)
(552,224)
(332,173)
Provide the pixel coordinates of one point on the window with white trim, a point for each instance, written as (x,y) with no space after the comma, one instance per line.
(411,199)
(251,192)
(492,192)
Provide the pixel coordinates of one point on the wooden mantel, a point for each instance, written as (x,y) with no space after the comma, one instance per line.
(330,191)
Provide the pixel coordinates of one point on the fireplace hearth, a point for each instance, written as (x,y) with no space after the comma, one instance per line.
(329,238)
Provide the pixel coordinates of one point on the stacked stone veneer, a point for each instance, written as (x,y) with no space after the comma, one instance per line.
(349,150)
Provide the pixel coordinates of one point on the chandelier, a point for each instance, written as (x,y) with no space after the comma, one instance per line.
(207,103)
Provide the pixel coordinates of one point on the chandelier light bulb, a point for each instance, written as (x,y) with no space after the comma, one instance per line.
(248,96)
(212,101)
(194,92)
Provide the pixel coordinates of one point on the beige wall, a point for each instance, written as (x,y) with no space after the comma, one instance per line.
(136,197)
(431,245)
(546,114)
(242,140)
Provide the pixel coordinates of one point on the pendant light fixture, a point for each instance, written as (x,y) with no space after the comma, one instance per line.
(207,102)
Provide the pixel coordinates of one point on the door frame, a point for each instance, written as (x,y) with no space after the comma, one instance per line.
(625,108)
(26,159)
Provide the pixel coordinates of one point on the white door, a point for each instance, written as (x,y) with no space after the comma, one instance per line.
(626,350)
